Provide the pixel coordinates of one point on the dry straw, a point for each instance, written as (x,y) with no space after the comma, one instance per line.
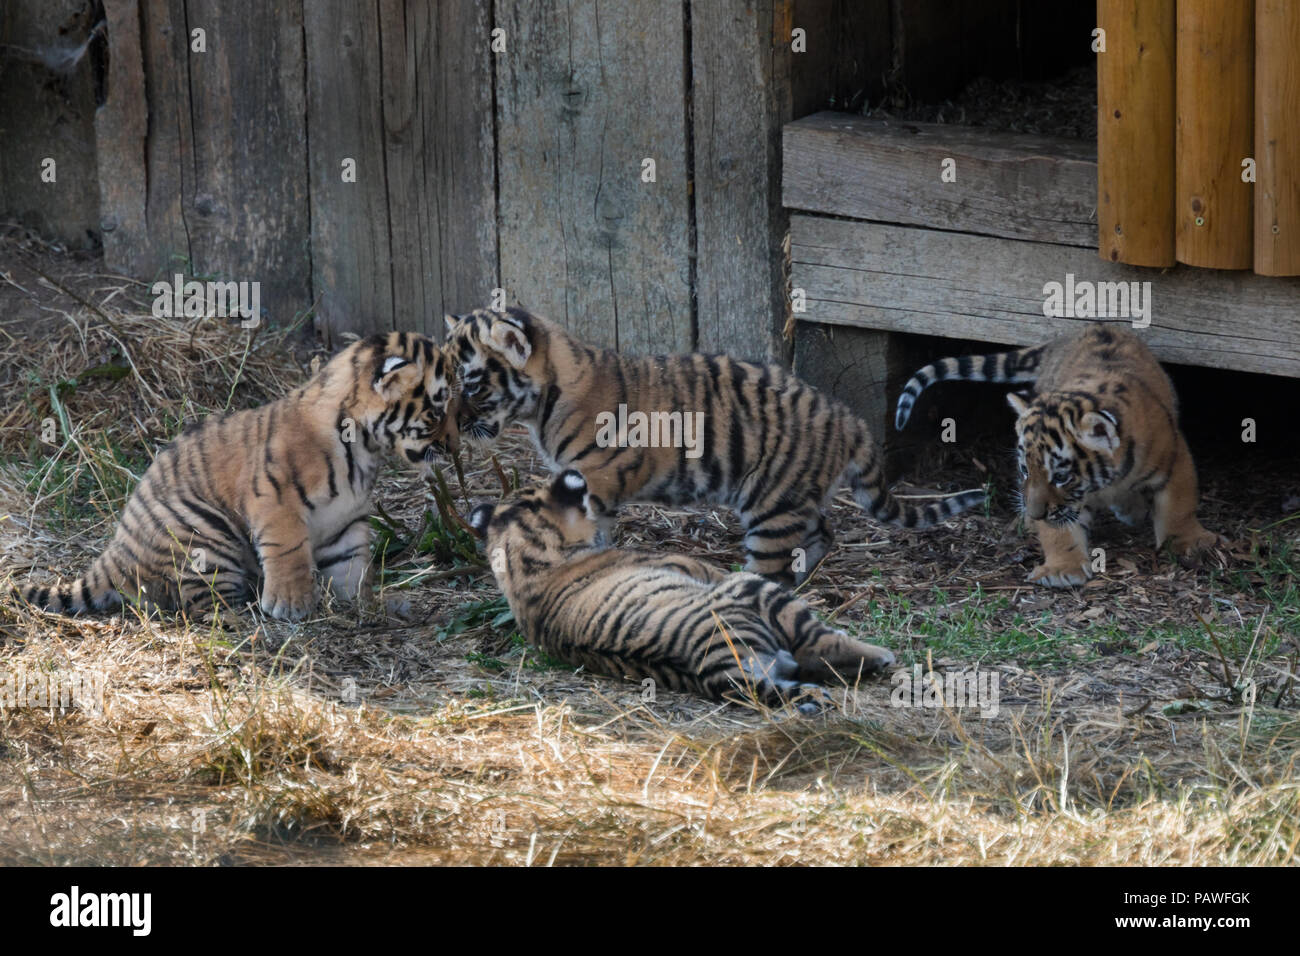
(438,739)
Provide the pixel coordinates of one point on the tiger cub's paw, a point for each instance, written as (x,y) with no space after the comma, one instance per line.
(1061,574)
(289,603)
(1191,543)
(1194,546)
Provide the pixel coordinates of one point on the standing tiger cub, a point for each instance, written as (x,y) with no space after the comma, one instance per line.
(672,618)
(1100,430)
(703,429)
(273,494)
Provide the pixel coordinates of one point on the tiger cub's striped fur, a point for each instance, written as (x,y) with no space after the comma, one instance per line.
(274,493)
(770,446)
(1101,430)
(637,614)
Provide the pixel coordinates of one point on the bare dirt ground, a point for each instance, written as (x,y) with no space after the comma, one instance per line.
(1147,718)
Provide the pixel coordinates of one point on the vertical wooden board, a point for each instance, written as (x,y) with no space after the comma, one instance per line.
(1215,132)
(438,152)
(585,92)
(1135,132)
(245,194)
(1277,137)
(351,254)
(155,241)
(740,58)
(121,131)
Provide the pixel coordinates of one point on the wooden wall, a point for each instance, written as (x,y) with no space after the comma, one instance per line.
(495,146)
(385,163)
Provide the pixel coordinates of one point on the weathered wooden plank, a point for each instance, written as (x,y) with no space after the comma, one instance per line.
(1277,137)
(438,153)
(201,158)
(1008,184)
(939,283)
(741,95)
(1215,132)
(586,92)
(246,193)
(351,254)
(121,131)
(1135,132)
(152,239)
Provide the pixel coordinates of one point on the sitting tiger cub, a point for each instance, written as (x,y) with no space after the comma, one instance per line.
(277,492)
(638,614)
(752,437)
(1101,430)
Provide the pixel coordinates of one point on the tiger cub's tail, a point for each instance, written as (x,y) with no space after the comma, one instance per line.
(1018,366)
(94,591)
(867,480)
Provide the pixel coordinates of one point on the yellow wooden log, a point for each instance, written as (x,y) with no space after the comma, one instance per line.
(1135,132)
(1215,135)
(1277,137)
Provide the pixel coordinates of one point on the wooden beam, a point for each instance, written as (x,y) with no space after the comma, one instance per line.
(351,249)
(1015,185)
(741,96)
(202,152)
(1215,132)
(943,283)
(121,131)
(439,159)
(1135,132)
(1277,137)
(586,92)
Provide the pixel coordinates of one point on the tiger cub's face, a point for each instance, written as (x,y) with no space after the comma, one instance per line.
(550,518)
(494,362)
(410,405)
(1068,449)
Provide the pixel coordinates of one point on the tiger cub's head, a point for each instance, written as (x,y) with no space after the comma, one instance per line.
(1068,447)
(401,395)
(543,523)
(499,360)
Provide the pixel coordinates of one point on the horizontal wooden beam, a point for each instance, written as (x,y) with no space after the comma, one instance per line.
(941,283)
(1014,185)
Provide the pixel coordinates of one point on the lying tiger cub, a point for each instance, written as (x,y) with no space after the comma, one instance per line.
(764,443)
(273,493)
(1101,430)
(671,618)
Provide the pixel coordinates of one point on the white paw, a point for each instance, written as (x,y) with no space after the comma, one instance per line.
(1060,576)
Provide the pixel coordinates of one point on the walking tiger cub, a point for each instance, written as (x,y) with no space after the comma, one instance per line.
(638,614)
(1101,430)
(274,493)
(764,443)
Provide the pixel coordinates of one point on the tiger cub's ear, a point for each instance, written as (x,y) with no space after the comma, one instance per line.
(1017,403)
(1098,431)
(394,375)
(510,340)
(479,519)
(569,489)
(452,321)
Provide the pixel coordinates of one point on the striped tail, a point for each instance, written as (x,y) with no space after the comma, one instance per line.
(91,592)
(1018,366)
(867,480)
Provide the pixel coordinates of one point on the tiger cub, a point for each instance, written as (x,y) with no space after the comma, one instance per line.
(710,429)
(276,493)
(1100,430)
(638,614)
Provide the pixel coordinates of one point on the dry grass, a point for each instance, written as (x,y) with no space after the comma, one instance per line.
(440,740)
